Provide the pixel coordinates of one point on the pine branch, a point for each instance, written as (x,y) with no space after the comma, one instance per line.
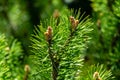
(55,63)
(73,26)
(63,46)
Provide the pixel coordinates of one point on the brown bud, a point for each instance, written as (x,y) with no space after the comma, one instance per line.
(48,33)
(74,22)
(49,30)
(96,76)
(27,68)
(72,19)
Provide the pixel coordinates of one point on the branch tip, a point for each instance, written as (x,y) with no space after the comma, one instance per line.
(48,33)
(74,22)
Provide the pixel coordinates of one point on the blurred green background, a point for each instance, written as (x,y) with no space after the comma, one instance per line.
(19,18)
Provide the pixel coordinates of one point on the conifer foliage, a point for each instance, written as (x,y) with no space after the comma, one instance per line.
(10,53)
(67,46)
(57,46)
(106,14)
